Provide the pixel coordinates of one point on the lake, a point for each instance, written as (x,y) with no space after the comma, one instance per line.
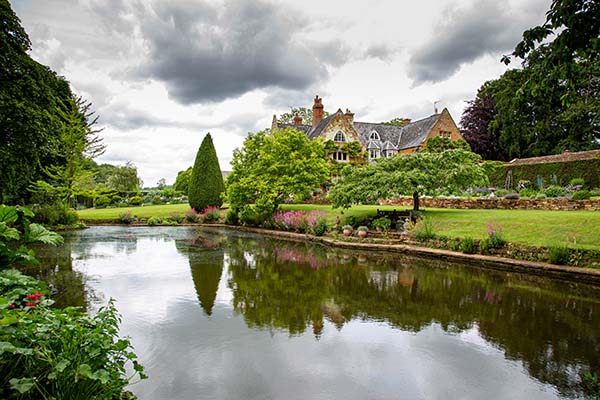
(217,314)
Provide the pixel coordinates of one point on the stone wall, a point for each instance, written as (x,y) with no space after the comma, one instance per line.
(499,203)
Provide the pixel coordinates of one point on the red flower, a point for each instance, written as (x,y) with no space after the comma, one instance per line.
(30,304)
(12,306)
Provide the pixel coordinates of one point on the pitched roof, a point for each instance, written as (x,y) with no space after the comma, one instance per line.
(415,133)
(316,131)
(564,157)
(302,128)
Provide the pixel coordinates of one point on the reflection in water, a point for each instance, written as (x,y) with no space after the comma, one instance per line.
(378,318)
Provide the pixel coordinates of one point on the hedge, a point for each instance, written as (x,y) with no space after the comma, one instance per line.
(588,170)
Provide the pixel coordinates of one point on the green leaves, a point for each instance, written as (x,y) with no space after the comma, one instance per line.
(22,385)
(37,233)
(206,184)
(7,233)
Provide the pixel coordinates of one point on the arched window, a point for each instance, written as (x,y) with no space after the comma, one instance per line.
(374,136)
(339,137)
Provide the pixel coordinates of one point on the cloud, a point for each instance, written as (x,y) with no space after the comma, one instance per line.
(208,52)
(465,34)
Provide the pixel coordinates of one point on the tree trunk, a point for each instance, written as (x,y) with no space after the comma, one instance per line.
(416,201)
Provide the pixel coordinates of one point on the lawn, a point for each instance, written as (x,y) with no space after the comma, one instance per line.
(536,228)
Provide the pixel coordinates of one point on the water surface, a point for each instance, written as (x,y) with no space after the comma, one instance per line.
(226,315)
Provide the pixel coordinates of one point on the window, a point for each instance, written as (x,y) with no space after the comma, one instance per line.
(339,156)
(445,134)
(339,137)
(374,136)
(373,153)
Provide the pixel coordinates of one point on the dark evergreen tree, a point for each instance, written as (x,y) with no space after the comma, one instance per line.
(206,185)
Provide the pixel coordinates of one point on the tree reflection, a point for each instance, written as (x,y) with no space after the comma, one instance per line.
(551,327)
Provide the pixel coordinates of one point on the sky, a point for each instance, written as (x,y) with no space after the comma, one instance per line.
(161,74)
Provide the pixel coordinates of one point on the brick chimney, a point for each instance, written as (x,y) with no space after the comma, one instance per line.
(317,111)
(297,120)
(349,116)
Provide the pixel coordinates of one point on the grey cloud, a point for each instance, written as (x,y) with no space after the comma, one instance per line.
(487,27)
(380,51)
(206,52)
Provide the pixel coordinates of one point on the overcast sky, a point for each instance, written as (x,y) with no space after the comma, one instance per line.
(163,73)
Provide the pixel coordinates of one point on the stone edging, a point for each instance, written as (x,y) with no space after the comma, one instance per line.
(572,274)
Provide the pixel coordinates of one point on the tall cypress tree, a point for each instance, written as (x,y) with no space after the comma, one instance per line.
(206,185)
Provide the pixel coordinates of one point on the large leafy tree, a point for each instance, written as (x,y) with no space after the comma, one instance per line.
(206,184)
(408,174)
(475,121)
(182,181)
(124,178)
(273,167)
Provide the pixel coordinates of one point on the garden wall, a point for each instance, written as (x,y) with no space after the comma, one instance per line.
(550,173)
(499,203)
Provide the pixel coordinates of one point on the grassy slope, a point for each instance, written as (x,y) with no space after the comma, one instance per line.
(537,228)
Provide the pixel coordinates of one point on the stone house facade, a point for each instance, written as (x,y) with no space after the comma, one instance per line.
(376,139)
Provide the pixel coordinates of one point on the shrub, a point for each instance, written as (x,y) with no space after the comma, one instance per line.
(191,216)
(529,193)
(59,354)
(423,230)
(232,217)
(156,200)
(485,246)
(383,223)
(320,227)
(210,214)
(206,183)
(555,191)
(577,182)
(454,244)
(467,245)
(495,235)
(501,192)
(559,255)
(176,217)
(54,214)
(540,196)
(136,201)
(102,201)
(154,221)
(125,217)
(581,195)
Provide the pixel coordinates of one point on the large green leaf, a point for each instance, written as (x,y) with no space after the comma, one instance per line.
(8,214)
(23,385)
(8,233)
(37,233)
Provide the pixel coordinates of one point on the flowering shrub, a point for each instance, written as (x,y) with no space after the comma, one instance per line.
(299,221)
(154,221)
(125,217)
(211,214)
(176,217)
(495,237)
(191,216)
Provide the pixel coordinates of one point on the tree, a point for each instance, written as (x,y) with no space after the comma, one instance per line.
(398,121)
(206,184)
(182,181)
(475,122)
(575,26)
(305,113)
(271,168)
(124,178)
(161,184)
(408,174)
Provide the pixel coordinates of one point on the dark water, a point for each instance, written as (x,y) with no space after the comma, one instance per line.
(224,315)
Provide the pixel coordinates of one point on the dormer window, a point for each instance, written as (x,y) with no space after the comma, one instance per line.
(374,136)
(339,137)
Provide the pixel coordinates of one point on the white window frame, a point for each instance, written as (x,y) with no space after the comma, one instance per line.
(338,135)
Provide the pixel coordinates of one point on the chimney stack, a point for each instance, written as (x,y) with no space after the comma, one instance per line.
(317,111)
(297,120)
(349,116)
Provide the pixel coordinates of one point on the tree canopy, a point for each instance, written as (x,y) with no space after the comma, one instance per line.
(271,168)
(182,181)
(408,174)
(206,184)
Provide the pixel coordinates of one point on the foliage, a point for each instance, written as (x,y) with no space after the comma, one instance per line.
(191,216)
(271,168)
(176,217)
(417,173)
(182,181)
(157,200)
(555,191)
(154,221)
(102,201)
(354,149)
(530,193)
(475,122)
(383,223)
(438,144)
(577,182)
(559,255)
(467,245)
(53,353)
(362,228)
(559,172)
(125,217)
(581,195)
(298,221)
(206,184)
(305,113)
(232,217)
(495,235)
(124,178)
(210,214)
(136,201)
(398,121)
(54,214)
(423,230)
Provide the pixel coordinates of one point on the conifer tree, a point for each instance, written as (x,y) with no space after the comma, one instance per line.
(206,185)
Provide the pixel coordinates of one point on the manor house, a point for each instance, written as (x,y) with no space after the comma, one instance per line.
(377,139)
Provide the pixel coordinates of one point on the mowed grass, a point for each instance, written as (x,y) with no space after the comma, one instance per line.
(162,211)
(530,227)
